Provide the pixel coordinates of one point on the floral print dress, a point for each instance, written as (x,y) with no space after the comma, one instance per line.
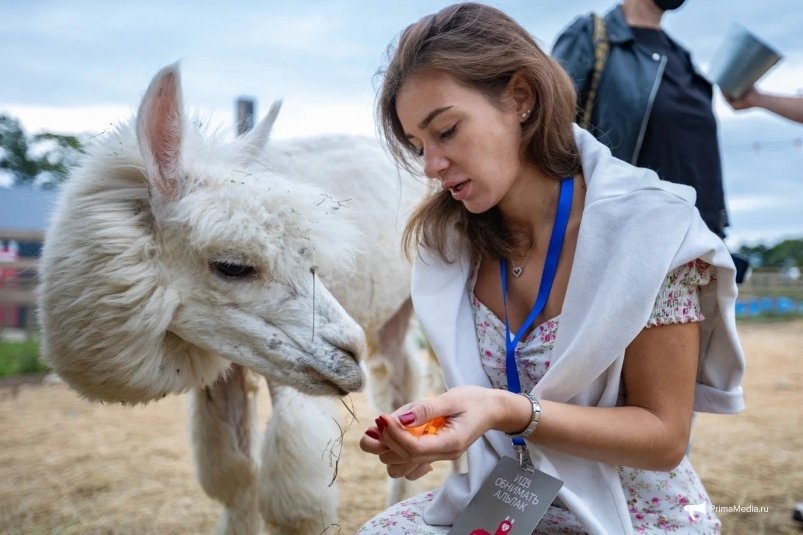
(655,500)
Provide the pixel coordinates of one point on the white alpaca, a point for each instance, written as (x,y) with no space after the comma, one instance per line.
(176,262)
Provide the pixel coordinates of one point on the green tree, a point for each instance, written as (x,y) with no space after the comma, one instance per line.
(786,253)
(56,154)
(783,254)
(43,159)
(14,151)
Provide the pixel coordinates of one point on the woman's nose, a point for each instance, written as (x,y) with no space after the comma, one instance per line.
(434,164)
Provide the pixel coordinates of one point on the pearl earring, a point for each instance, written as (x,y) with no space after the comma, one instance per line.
(525,114)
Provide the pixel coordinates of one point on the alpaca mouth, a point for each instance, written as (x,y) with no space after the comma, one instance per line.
(327,383)
(338,372)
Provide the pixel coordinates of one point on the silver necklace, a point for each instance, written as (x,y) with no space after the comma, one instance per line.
(519,270)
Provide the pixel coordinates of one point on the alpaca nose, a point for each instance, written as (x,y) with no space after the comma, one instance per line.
(352,354)
(354,348)
(353,344)
(351,350)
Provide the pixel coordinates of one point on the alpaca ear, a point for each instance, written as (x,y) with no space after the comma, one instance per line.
(253,142)
(160,125)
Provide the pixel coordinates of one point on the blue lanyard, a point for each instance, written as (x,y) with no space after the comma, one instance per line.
(547,278)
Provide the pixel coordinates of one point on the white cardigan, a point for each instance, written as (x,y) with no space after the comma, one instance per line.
(635,229)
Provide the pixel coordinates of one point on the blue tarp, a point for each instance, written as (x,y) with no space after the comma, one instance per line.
(756,306)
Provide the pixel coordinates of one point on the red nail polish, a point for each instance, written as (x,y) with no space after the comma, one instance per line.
(407,418)
(373,434)
(381,423)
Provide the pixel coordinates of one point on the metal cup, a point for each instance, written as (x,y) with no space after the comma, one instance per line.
(740,61)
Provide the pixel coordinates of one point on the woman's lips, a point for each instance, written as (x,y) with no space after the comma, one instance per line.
(460,190)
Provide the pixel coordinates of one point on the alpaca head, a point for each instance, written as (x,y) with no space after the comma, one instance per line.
(172,254)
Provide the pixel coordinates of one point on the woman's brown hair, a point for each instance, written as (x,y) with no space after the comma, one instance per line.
(481,47)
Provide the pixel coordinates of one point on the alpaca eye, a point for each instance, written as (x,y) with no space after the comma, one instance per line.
(234,271)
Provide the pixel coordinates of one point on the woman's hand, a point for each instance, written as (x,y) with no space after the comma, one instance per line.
(749,99)
(469,412)
(371,442)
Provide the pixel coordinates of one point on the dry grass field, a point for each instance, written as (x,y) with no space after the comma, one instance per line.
(69,466)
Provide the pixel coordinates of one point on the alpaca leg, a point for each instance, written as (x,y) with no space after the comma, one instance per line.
(222,417)
(299,453)
(396,372)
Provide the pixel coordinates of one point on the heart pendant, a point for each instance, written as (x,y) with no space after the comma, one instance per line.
(517,272)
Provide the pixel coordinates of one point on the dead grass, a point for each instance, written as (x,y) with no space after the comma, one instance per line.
(756,457)
(73,467)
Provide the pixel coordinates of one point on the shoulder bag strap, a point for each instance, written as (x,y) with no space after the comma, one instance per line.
(601,47)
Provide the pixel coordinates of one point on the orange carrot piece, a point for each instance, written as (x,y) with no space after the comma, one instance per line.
(429,428)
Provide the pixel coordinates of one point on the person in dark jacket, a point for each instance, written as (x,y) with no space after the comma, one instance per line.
(652,107)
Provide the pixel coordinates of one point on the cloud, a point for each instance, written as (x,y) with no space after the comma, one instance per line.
(299,117)
(355,117)
(6,178)
(68,120)
(742,204)
(292,34)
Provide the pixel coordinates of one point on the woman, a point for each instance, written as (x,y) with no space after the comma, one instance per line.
(636,328)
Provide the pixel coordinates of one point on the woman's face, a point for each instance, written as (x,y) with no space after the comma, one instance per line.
(468,143)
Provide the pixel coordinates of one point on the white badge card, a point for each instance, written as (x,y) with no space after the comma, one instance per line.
(511,502)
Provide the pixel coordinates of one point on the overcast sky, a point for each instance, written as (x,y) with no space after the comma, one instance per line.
(78,66)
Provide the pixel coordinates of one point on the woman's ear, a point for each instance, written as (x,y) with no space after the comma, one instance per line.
(520,95)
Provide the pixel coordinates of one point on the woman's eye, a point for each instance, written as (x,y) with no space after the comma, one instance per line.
(234,271)
(419,152)
(448,134)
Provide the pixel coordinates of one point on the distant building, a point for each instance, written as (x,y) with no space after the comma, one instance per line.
(24,214)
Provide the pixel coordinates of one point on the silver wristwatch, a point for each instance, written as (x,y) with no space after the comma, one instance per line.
(534,417)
